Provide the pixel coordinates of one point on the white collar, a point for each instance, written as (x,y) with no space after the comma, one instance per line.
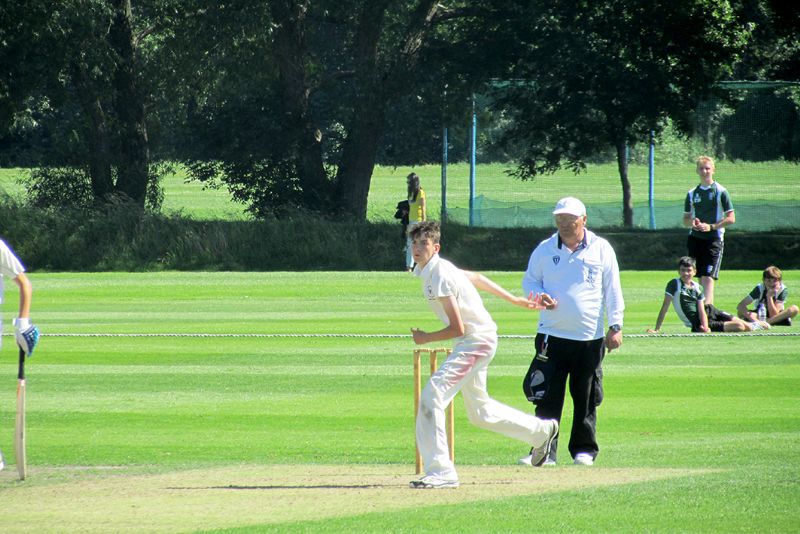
(428,266)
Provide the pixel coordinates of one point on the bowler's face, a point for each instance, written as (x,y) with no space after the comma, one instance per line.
(423,249)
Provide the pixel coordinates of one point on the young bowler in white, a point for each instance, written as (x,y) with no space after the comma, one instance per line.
(452,294)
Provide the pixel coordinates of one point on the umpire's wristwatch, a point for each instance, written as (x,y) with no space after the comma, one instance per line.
(615,327)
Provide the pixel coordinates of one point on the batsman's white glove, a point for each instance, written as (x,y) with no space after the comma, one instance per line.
(26,334)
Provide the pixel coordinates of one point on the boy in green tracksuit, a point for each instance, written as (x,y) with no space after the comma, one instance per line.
(707,210)
(770,297)
(688,299)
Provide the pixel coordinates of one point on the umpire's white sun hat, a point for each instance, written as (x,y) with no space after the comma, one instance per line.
(570,205)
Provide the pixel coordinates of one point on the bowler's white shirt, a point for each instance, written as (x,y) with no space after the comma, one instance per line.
(581,282)
(440,278)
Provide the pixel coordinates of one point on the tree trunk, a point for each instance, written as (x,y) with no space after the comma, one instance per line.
(132,172)
(99,143)
(627,203)
(358,158)
(366,126)
(377,88)
(290,53)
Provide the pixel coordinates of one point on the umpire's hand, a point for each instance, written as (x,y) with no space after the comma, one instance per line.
(613,339)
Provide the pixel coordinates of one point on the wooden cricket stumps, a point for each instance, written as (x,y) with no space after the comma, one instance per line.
(451,435)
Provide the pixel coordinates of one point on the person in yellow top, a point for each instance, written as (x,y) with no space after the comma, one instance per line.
(416,213)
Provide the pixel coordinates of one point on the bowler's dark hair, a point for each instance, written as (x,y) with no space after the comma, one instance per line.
(426,230)
(687,261)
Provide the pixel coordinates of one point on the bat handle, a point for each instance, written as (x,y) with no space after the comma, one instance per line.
(21,370)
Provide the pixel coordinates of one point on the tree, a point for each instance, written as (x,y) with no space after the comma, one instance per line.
(85,92)
(133,169)
(288,103)
(774,51)
(605,74)
(302,124)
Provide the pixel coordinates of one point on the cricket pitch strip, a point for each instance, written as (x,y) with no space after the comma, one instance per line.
(124,500)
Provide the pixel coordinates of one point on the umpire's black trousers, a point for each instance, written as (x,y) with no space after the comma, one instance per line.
(545,384)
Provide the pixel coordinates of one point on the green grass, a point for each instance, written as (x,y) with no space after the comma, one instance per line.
(180,196)
(697,433)
(599,187)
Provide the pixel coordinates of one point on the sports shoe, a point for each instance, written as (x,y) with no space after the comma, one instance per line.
(760,325)
(548,462)
(433,482)
(584,458)
(539,454)
(2,461)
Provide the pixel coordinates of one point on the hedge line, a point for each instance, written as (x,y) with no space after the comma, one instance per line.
(121,238)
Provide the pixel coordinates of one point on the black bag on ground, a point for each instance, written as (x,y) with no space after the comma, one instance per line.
(402,214)
(402,211)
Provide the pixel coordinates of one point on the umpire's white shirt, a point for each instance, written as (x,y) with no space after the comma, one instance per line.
(440,278)
(581,282)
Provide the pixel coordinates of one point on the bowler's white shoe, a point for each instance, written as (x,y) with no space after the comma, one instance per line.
(526,460)
(433,482)
(539,454)
(584,458)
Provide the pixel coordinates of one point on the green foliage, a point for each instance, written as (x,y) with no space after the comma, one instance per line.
(671,147)
(592,81)
(774,52)
(120,236)
(49,187)
(86,96)
(765,125)
(317,88)
(292,104)
(71,188)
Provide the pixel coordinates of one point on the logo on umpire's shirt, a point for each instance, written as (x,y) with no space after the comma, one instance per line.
(591,274)
(556,259)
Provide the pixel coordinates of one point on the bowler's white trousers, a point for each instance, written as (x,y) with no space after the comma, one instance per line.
(466,370)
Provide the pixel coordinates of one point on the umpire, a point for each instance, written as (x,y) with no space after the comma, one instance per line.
(576,276)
